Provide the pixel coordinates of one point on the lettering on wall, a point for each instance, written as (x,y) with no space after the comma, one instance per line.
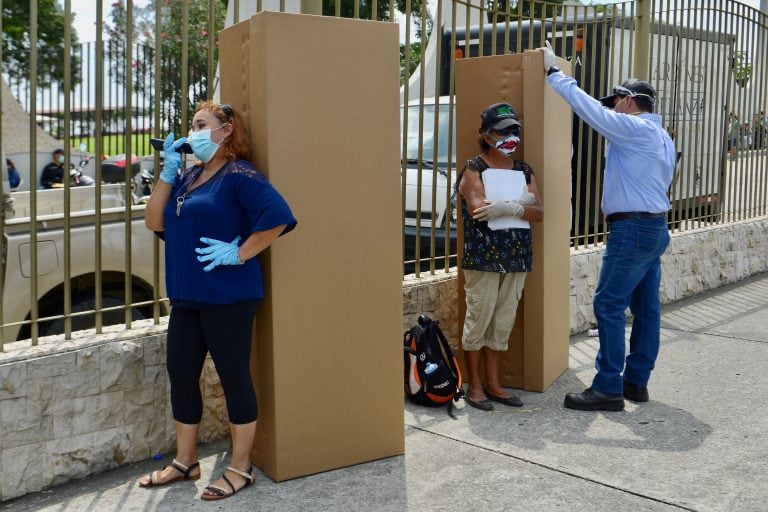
(680,96)
(689,106)
(668,72)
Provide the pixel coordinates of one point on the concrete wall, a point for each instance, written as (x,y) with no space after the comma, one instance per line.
(70,409)
(695,261)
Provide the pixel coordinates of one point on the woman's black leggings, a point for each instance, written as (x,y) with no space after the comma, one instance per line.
(225,332)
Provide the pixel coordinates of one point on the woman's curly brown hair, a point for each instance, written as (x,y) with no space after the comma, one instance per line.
(237,144)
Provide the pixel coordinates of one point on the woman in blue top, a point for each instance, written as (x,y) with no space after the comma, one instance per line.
(494,261)
(215,217)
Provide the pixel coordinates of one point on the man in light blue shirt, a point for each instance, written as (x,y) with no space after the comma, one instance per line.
(639,164)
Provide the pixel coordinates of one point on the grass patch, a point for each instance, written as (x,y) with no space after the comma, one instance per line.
(115,144)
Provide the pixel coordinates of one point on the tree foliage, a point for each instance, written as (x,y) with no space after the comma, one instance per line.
(347,8)
(742,67)
(383,7)
(50,43)
(200,78)
(171,39)
(115,36)
(514,8)
(414,57)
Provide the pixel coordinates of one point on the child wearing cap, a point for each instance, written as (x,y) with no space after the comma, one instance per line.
(494,262)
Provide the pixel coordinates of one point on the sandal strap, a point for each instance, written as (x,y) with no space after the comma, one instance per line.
(248,476)
(179,466)
(183,469)
(219,491)
(215,489)
(229,483)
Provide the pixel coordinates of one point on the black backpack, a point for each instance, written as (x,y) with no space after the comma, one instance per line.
(431,374)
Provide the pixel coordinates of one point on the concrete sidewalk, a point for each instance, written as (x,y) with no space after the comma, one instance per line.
(698,445)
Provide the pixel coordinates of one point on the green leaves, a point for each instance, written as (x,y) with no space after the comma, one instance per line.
(742,68)
(50,47)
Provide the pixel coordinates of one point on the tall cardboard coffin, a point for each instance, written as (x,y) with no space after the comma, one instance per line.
(538,346)
(321,100)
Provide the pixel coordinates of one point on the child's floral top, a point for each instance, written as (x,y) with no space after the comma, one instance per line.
(505,250)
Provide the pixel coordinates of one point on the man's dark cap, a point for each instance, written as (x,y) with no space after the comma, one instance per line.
(498,116)
(633,88)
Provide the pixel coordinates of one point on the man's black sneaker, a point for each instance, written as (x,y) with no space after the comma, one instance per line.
(635,393)
(591,400)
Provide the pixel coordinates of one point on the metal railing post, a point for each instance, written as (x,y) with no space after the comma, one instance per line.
(2,205)
(642,39)
(33,179)
(67,182)
(312,7)
(98,150)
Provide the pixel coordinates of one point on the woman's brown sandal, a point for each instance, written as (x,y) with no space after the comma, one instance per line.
(219,493)
(154,477)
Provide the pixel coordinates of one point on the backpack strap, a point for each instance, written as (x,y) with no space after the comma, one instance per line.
(416,334)
(451,361)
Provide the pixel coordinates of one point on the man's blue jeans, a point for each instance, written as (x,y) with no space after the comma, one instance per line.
(630,277)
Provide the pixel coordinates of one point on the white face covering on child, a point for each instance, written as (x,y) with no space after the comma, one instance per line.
(507,145)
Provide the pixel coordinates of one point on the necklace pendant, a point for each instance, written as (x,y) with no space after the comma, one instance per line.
(179,204)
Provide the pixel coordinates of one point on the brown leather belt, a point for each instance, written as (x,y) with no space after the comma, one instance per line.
(634,215)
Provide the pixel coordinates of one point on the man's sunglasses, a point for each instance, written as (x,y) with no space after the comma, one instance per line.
(623,91)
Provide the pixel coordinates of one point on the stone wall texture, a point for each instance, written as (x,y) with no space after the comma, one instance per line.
(72,408)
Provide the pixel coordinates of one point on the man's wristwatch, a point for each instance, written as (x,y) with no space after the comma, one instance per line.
(552,69)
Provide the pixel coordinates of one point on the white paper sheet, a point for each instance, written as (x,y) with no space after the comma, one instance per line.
(504,185)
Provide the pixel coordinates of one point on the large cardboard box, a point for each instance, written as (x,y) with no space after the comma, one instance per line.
(321,100)
(538,348)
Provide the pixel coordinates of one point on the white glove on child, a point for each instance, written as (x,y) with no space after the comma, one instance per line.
(526,198)
(496,209)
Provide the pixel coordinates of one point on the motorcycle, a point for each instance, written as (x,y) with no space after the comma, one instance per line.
(143,182)
(77,176)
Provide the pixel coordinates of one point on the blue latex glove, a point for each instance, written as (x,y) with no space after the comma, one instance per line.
(171,159)
(218,253)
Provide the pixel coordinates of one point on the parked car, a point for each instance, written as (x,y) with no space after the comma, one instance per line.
(430,175)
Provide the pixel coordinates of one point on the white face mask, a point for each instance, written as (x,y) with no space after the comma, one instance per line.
(507,145)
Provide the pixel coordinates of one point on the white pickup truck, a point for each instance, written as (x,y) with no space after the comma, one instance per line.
(16,251)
